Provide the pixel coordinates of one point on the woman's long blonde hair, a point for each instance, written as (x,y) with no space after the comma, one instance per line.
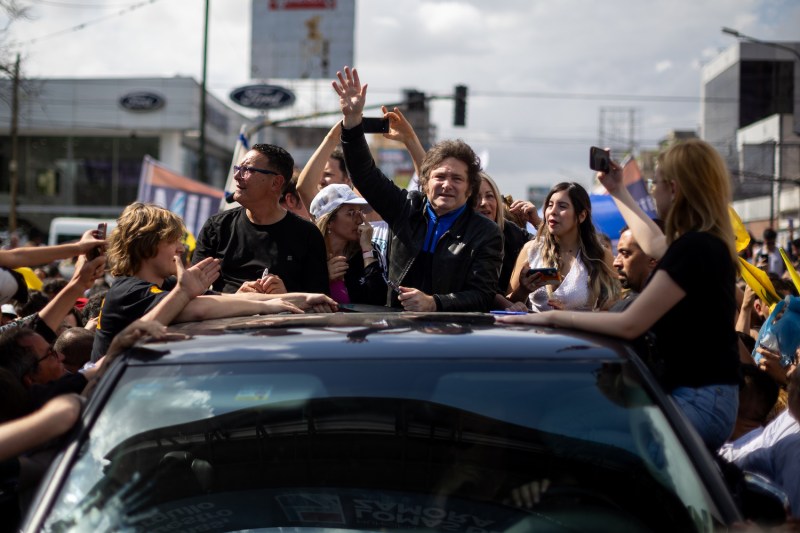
(703,195)
(500,213)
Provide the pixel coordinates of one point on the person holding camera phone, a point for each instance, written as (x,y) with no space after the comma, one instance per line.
(768,255)
(568,242)
(697,269)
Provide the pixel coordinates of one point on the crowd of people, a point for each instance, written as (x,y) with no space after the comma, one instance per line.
(341,232)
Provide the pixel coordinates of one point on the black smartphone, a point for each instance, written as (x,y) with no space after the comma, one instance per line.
(375,125)
(599,159)
(99,233)
(549,275)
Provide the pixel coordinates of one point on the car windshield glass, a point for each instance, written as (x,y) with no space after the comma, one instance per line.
(381,445)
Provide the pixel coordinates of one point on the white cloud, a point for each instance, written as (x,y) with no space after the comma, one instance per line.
(663,66)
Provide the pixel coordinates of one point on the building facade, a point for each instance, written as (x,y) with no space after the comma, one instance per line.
(81,142)
(746,84)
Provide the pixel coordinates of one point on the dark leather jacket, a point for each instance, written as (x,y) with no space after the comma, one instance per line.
(467,260)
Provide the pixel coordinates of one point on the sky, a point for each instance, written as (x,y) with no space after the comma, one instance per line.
(540,73)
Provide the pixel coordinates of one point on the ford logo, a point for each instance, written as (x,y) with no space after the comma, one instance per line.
(142,101)
(262,96)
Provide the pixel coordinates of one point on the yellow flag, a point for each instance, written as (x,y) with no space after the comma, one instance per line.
(791,269)
(739,231)
(758,280)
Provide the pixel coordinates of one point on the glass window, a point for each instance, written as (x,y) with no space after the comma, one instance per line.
(381,445)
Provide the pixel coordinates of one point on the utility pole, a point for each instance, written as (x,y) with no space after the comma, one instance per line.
(13,167)
(201,163)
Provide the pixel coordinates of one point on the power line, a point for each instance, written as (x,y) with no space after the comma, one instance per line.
(591,96)
(85,25)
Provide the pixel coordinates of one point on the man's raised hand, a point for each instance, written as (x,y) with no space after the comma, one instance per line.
(352,96)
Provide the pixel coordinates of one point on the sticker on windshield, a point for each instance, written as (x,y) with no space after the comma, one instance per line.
(253,394)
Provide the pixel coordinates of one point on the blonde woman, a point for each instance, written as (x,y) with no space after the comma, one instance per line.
(567,241)
(697,269)
(490,204)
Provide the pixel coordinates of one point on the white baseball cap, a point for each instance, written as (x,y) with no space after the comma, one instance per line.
(331,197)
(8,309)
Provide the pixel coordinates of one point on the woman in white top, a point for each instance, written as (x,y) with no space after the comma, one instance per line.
(566,240)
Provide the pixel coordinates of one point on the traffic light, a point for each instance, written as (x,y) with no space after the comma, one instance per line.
(415,100)
(460,115)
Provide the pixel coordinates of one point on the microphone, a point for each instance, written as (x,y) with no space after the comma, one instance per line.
(229,197)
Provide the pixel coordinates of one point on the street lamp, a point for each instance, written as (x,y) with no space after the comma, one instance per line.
(739,35)
(777,162)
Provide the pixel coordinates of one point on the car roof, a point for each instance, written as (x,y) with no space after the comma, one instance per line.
(384,335)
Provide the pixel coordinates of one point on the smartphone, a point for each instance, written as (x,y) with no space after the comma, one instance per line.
(99,233)
(549,275)
(599,159)
(375,125)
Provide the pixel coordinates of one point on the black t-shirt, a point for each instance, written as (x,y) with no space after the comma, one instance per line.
(128,299)
(697,338)
(292,248)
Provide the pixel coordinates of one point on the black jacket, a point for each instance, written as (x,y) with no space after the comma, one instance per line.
(467,259)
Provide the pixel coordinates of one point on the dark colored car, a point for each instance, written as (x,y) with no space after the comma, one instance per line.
(380,422)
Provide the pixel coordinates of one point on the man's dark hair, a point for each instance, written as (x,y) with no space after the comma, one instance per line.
(76,345)
(53,286)
(289,188)
(278,158)
(758,393)
(93,305)
(456,149)
(338,155)
(36,302)
(769,234)
(17,359)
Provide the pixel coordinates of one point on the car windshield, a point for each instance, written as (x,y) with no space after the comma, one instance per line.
(377,445)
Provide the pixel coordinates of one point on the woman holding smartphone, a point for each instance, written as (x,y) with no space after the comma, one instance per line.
(697,269)
(567,241)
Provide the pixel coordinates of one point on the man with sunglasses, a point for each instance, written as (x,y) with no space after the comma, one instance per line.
(262,234)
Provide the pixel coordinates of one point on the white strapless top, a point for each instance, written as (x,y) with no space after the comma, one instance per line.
(573,293)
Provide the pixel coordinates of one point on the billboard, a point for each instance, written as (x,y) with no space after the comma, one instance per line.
(191,200)
(301,39)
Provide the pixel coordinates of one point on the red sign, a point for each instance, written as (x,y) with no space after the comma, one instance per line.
(279,5)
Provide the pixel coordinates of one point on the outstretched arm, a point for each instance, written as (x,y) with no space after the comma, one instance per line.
(649,236)
(42,255)
(51,420)
(307,301)
(308,179)
(208,306)
(86,272)
(401,130)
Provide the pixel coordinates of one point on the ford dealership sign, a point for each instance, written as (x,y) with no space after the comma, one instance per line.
(142,101)
(262,96)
